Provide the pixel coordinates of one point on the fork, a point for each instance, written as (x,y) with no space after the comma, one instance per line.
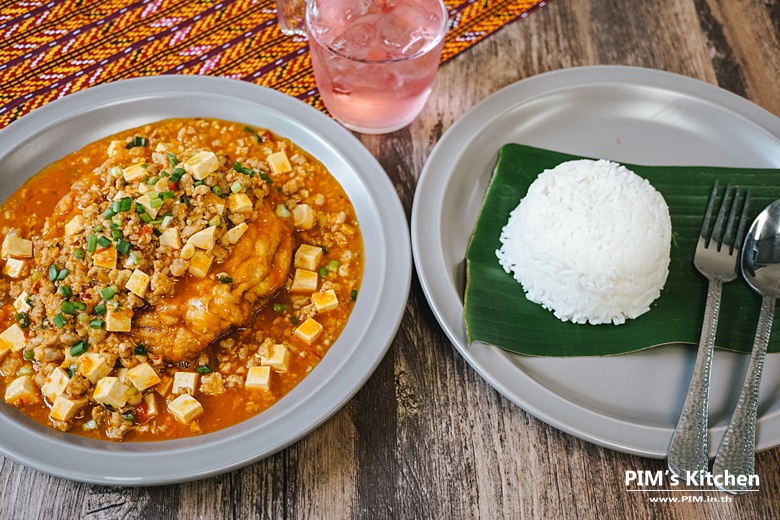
(717,258)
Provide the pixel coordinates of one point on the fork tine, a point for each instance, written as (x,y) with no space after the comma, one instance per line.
(743,222)
(705,225)
(728,236)
(717,229)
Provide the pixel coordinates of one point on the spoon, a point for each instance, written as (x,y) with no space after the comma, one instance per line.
(761,268)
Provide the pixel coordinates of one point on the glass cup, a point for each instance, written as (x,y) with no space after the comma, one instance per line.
(374,60)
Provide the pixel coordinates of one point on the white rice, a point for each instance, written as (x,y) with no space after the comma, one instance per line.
(590,242)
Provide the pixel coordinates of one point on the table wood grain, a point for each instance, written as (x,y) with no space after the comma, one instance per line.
(426,437)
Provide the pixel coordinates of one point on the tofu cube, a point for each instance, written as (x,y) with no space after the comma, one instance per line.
(303,216)
(279,162)
(202,164)
(162,147)
(138,283)
(115,147)
(278,359)
(325,300)
(308,257)
(258,378)
(14,336)
(143,188)
(304,281)
(105,257)
(20,303)
(118,320)
(309,330)
(93,366)
(237,232)
(185,382)
(121,374)
(65,409)
(14,268)
(203,239)
(21,391)
(55,384)
(142,376)
(75,225)
(200,263)
(170,238)
(146,201)
(150,402)
(134,173)
(5,348)
(111,391)
(239,203)
(185,408)
(16,247)
(165,386)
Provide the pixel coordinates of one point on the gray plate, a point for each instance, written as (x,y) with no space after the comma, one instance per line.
(47,134)
(629,403)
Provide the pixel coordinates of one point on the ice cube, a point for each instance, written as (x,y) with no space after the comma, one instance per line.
(355,42)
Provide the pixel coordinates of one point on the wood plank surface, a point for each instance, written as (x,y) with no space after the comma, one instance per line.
(426,437)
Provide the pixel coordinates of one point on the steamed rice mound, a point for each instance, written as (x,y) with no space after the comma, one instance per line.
(590,242)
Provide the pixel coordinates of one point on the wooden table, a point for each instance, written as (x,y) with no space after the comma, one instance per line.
(426,437)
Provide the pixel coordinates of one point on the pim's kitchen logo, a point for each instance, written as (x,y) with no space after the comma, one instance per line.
(664,479)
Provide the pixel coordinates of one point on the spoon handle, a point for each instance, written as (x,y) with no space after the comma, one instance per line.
(737,452)
(689,451)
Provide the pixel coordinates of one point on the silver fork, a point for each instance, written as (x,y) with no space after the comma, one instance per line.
(717,258)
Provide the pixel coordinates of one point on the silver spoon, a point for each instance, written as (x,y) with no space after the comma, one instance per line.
(761,269)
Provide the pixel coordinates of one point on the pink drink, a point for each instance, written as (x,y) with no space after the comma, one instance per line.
(374,61)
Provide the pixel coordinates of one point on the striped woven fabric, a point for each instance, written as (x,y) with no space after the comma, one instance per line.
(51,49)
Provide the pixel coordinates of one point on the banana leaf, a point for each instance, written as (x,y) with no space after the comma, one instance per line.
(498,313)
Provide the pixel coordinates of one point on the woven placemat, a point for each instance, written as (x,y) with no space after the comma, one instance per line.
(51,49)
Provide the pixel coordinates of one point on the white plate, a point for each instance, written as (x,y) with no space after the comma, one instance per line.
(629,403)
(66,125)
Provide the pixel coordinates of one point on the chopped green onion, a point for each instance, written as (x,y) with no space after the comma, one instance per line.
(58,320)
(29,355)
(279,307)
(184,200)
(215,221)
(83,317)
(99,309)
(96,324)
(53,272)
(129,416)
(71,371)
(166,221)
(155,203)
(79,253)
(172,159)
(151,181)
(80,306)
(203,369)
(156,231)
(250,130)
(146,217)
(333,266)
(353,295)
(79,348)
(153,195)
(63,274)
(137,141)
(323,272)
(108,292)
(104,241)
(23,319)
(243,169)
(134,258)
(198,183)
(293,320)
(115,171)
(125,204)
(92,243)
(324,250)
(65,291)
(116,234)
(139,208)
(224,279)
(123,247)
(266,178)
(45,323)
(24,371)
(99,228)
(67,307)
(216,190)
(108,407)
(166,195)
(109,213)
(236,187)
(177,174)
(140,350)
